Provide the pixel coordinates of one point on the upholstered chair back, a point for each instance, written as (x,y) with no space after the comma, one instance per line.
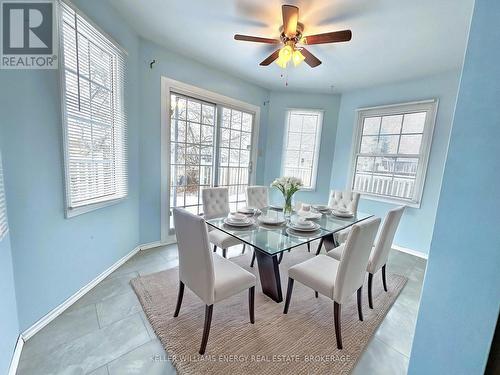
(215,202)
(344,199)
(352,267)
(196,267)
(257,196)
(380,252)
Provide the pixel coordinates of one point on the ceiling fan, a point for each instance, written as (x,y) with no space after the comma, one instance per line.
(291,35)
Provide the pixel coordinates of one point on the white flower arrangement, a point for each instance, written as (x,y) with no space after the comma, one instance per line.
(288,187)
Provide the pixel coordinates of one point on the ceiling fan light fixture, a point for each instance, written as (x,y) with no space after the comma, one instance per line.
(285,55)
(297,57)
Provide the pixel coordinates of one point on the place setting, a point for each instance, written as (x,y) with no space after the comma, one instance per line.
(239,220)
(249,211)
(271,220)
(307,213)
(342,213)
(301,227)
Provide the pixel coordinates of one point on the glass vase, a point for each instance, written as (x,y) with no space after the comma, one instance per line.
(288,207)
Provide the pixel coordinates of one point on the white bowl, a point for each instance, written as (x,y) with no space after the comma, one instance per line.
(237,217)
(247,210)
(301,223)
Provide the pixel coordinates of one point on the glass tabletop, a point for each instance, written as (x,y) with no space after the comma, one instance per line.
(274,239)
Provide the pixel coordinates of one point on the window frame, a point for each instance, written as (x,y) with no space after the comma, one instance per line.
(430,106)
(99,203)
(314,170)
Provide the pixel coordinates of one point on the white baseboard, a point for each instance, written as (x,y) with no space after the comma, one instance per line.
(410,251)
(168,241)
(46,319)
(16,356)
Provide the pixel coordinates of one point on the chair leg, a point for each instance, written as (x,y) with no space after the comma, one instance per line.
(179,299)
(336,318)
(370,300)
(206,329)
(309,247)
(288,295)
(243,250)
(251,304)
(360,306)
(316,294)
(215,248)
(224,253)
(383,278)
(253,259)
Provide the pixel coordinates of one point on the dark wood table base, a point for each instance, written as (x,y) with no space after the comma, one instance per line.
(328,242)
(269,272)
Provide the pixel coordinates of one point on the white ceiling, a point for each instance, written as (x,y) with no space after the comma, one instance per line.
(393,40)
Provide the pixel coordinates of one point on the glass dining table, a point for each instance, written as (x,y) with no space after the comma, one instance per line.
(271,241)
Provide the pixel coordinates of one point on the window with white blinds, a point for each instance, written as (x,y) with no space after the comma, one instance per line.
(95,121)
(4,228)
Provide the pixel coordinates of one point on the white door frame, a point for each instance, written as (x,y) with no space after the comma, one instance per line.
(167,86)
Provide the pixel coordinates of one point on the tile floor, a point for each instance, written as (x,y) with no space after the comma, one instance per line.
(106,332)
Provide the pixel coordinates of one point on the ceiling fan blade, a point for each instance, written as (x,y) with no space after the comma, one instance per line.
(310,59)
(273,56)
(290,19)
(333,37)
(256,39)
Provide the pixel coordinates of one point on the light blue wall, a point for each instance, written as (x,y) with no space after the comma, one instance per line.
(9,325)
(278,105)
(461,295)
(188,71)
(53,256)
(415,230)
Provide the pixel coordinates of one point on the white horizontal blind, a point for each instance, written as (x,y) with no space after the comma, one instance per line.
(3,206)
(301,147)
(391,151)
(95,121)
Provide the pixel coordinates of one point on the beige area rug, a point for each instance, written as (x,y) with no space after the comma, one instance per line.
(301,342)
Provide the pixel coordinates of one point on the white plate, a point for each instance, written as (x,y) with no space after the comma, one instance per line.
(312,228)
(342,214)
(297,233)
(309,214)
(247,210)
(271,220)
(321,207)
(239,223)
(276,207)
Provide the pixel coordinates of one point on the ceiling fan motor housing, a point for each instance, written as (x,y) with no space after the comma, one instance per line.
(292,38)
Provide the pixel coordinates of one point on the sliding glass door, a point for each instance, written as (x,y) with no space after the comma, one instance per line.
(210,145)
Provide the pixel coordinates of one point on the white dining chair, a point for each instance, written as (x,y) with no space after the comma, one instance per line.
(338,280)
(347,200)
(257,196)
(208,275)
(380,251)
(216,204)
